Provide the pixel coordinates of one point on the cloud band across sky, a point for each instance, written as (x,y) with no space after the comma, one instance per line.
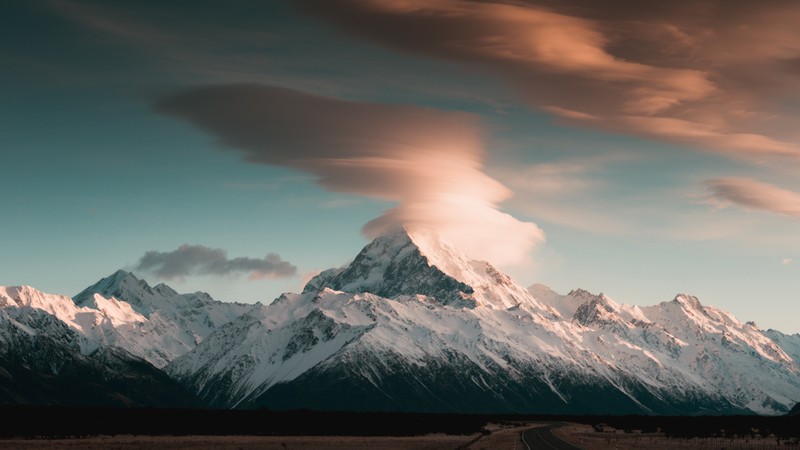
(703,73)
(189,260)
(429,161)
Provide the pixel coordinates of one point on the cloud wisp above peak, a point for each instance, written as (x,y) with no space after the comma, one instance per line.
(428,161)
(708,74)
(189,260)
(753,195)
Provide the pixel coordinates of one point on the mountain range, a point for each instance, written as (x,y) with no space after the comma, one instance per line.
(411,324)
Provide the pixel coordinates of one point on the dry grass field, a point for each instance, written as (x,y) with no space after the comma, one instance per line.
(431,442)
(584,436)
(499,437)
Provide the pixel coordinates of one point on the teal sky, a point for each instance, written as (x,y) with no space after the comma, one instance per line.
(650,165)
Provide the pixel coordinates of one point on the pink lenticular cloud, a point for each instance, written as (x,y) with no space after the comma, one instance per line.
(752,194)
(427,160)
(711,74)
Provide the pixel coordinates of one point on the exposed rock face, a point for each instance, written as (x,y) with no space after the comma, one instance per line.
(393,267)
(158,324)
(42,363)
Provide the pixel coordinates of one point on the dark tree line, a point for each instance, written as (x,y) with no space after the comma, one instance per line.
(52,421)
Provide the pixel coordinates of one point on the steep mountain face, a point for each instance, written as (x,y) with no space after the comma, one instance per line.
(411,325)
(155,323)
(399,264)
(734,358)
(94,326)
(790,343)
(704,346)
(106,346)
(355,351)
(44,361)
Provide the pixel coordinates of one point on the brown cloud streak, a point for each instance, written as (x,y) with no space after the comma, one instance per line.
(429,161)
(752,194)
(702,73)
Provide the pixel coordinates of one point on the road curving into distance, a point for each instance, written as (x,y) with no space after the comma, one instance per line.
(542,438)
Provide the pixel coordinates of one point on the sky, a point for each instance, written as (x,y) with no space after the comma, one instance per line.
(636,148)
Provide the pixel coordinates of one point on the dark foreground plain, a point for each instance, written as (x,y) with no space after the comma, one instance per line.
(494,436)
(588,438)
(432,442)
(117,428)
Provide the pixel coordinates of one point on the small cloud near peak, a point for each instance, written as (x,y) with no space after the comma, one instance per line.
(189,260)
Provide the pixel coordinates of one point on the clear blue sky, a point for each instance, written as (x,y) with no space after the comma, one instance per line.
(641,152)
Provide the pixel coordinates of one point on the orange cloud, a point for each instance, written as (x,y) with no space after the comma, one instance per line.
(705,73)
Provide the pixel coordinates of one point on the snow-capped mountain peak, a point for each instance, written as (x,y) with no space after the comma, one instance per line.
(412,324)
(123,286)
(164,290)
(403,263)
(597,310)
(392,266)
(691,319)
(96,321)
(688,301)
(156,324)
(171,323)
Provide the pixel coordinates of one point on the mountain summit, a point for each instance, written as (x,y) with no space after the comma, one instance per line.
(123,286)
(168,324)
(421,264)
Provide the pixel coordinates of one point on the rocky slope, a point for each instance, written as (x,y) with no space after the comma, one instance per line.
(155,323)
(104,348)
(43,361)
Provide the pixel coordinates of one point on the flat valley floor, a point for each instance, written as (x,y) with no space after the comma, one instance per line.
(499,437)
(435,442)
(585,437)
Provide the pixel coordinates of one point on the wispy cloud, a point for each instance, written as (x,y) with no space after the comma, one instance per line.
(555,178)
(702,73)
(189,260)
(567,192)
(180,44)
(429,161)
(753,195)
(689,72)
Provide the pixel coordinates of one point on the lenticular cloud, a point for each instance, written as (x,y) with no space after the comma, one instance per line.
(429,161)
